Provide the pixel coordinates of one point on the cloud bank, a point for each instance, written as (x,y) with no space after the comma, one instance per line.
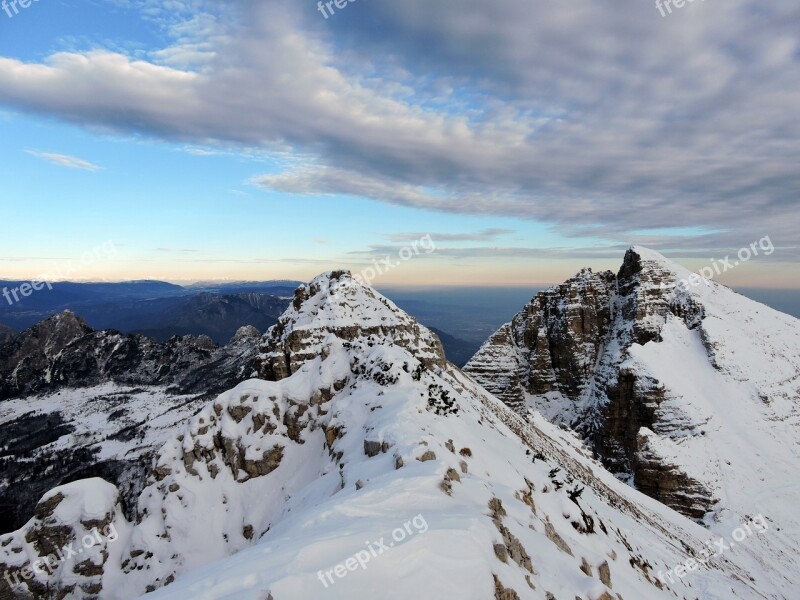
(601,118)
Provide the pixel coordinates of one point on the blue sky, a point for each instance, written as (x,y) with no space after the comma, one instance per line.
(259,141)
(183,212)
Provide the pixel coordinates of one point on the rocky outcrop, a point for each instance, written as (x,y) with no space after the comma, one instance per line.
(347,311)
(64,549)
(6,334)
(500,367)
(63,351)
(567,355)
(659,478)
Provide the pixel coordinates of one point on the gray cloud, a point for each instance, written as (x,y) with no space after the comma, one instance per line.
(601,118)
(488,234)
(611,252)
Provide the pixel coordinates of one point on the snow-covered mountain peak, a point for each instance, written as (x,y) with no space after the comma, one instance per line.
(648,255)
(665,280)
(649,268)
(336,299)
(336,307)
(685,389)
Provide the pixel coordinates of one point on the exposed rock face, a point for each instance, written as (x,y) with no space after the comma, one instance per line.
(552,345)
(579,354)
(131,387)
(25,362)
(6,333)
(63,351)
(347,311)
(499,366)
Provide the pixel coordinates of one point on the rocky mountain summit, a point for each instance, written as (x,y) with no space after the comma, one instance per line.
(340,307)
(690,393)
(551,346)
(369,465)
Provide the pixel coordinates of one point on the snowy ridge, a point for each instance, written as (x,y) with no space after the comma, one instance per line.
(692,396)
(274,484)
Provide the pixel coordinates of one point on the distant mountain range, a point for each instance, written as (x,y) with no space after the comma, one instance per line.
(161,310)
(154,308)
(463,317)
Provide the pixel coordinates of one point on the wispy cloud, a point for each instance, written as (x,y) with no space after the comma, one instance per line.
(65,160)
(484,235)
(202,152)
(175,250)
(505,252)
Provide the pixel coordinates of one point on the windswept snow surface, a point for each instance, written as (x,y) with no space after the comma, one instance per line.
(731,417)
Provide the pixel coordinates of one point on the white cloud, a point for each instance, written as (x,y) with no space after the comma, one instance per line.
(65,160)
